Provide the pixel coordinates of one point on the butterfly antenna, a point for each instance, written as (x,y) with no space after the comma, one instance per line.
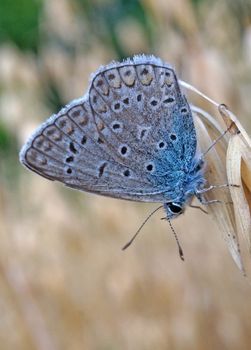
(177,240)
(138,231)
(218,139)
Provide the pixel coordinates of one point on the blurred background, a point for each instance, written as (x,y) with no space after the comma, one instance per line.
(64,281)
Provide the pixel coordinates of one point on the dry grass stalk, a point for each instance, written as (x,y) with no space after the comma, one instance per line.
(228,162)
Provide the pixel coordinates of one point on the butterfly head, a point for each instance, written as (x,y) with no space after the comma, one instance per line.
(173,209)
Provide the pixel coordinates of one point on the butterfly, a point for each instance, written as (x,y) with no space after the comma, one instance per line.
(131,136)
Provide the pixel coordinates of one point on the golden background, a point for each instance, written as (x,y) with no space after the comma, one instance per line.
(64,281)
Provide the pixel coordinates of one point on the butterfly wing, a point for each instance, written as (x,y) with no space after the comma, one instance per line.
(123,139)
(145,120)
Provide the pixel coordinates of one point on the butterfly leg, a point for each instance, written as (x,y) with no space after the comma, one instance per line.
(212,201)
(198,207)
(200,192)
(204,190)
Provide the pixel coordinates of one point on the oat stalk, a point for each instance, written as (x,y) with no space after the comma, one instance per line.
(228,162)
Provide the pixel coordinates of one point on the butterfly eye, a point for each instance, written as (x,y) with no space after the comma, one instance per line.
(175,208)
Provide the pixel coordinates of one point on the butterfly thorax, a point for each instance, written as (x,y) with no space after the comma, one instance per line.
(187,186)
